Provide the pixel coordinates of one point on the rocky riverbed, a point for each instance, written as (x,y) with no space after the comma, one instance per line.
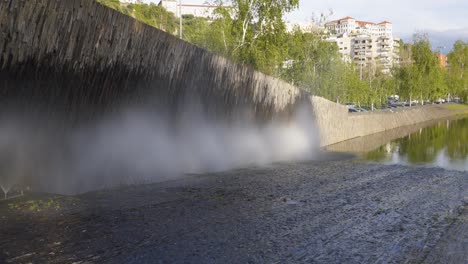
(335,211)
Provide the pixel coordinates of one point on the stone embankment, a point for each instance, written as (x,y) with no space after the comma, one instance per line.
(336,124)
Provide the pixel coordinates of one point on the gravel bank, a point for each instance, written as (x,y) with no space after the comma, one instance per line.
(307,212)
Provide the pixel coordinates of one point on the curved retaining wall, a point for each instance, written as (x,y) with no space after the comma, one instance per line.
(78,57)
(336,124)
(371,142)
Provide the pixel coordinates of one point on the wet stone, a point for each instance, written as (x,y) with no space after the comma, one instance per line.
(380,213)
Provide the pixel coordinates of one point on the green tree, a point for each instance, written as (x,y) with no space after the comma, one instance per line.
(257,32)
(316,66)
(457,74)
(153,15)
(214,34)
(427,73)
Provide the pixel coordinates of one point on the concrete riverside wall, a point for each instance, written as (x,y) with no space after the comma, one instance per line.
(371,142)
(336,124)
(77,56)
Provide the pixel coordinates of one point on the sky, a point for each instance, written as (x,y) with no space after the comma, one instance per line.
(443,20)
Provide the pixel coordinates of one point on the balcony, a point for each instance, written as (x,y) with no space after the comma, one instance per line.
(361,59)
(384,54)
(363,53)
(360,45)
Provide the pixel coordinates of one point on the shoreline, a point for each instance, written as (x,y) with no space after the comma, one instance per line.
(364,144)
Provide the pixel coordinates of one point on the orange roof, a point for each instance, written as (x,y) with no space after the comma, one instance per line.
(338,20)
(362,23)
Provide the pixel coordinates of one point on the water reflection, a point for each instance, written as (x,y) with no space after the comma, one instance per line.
(444,145)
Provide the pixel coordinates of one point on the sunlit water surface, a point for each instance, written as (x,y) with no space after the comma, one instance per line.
(443,145)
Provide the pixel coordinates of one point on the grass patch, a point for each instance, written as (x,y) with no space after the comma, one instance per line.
(36,205)
(456,107)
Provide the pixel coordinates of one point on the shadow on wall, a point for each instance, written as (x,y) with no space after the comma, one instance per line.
(139,146)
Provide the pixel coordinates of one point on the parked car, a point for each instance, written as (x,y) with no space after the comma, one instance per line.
(350,105)
(440,101)
(393,100)
(366,107)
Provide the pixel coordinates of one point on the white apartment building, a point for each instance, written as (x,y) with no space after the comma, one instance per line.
(205,11)
(173,6)
(304,27)
(132,1)
(350,25)
(366,43)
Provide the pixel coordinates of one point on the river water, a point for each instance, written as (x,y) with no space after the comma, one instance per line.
(444,145)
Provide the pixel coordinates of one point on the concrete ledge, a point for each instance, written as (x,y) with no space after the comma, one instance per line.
(336,124)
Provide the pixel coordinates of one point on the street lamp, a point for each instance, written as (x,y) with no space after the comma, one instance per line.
(180,18)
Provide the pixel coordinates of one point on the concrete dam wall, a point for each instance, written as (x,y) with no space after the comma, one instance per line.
(77,57)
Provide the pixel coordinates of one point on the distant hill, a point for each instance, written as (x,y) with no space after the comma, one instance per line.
(443,40)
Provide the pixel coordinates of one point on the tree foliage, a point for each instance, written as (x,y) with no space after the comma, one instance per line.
(253,32)
(151,14)
(457,75)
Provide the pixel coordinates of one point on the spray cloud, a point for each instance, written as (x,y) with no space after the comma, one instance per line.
(139,146)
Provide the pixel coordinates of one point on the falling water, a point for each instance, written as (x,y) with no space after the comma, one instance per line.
(5,190)
(78,115)
(139,146)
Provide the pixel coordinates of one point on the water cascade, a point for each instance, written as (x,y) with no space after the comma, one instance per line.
(5,190)
(92,98)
